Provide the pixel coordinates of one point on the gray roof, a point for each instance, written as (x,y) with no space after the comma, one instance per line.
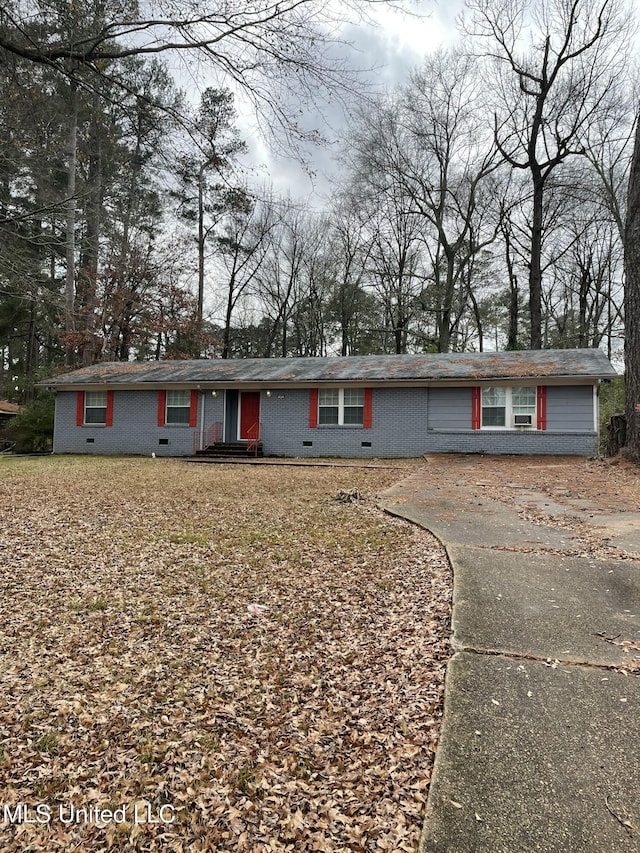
(567,364)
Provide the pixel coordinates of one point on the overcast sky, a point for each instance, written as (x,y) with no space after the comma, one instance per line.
(394,47)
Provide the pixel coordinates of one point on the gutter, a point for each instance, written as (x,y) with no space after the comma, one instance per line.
(571,379)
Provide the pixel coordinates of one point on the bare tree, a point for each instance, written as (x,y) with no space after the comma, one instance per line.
(430,146)
(70,223)
(607,144)
(282,56)
(243,243)
(632,305)
(278,280)
(271,51)
(547,93)
(310,315)
(511,251)
(395,264)
(350,248)
(584,309)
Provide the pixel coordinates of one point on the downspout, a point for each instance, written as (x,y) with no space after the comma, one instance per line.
(202,395)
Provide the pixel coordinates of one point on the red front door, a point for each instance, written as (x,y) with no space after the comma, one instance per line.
(249,414)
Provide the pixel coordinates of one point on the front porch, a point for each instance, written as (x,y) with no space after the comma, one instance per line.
(210,443)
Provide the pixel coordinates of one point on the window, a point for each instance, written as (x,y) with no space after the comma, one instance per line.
(341,406)
(95,407)
(523,406)
(328,406)
(178,407)
(494,402)
(353,406)
(508,407)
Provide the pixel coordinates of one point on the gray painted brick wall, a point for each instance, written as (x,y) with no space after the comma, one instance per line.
(514,442)
(398,426)
(135,426)
(406,422)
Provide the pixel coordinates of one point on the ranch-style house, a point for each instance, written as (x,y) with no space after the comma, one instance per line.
(384,406)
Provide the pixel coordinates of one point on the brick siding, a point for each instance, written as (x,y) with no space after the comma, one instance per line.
(406,422)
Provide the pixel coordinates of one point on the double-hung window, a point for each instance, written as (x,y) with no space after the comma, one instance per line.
(178,407)
(95,407)
(494,407)
(523,406)
(341,406)
(506,407)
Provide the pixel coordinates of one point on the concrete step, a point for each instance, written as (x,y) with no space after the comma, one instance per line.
(230,449)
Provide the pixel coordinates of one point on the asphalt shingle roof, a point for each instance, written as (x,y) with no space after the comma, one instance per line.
(405,369)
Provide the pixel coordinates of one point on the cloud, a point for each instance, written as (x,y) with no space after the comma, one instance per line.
(381,52)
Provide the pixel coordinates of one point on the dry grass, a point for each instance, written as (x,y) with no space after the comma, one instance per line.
(133,671)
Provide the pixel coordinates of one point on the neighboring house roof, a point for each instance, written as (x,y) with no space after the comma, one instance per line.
(7,408)
(446,368)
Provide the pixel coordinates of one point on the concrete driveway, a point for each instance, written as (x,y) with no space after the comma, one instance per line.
(540,746)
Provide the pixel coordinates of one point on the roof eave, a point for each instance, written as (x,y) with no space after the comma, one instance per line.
(253,385)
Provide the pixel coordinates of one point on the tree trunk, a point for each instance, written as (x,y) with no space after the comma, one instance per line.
(87,286)
(344,335)
(632,306)
(616,433)
(201,239)
(477,315)
(514,307)
(535,269)
(398,338)
(226,341)
(514,300)
(444,320)
(70,242)
(583,308)
(31,352)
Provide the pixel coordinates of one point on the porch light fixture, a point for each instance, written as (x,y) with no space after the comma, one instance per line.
(214,393)
(268,393)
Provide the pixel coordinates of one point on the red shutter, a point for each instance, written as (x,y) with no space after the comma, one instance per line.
(80,408)
(193,409)
(109,418)
(368,409)
(476,412)
(162,405)
(542,406)
(313,408)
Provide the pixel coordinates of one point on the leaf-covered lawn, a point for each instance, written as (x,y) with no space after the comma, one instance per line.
(135,674)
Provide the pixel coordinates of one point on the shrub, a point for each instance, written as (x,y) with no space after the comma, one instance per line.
(32,429)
